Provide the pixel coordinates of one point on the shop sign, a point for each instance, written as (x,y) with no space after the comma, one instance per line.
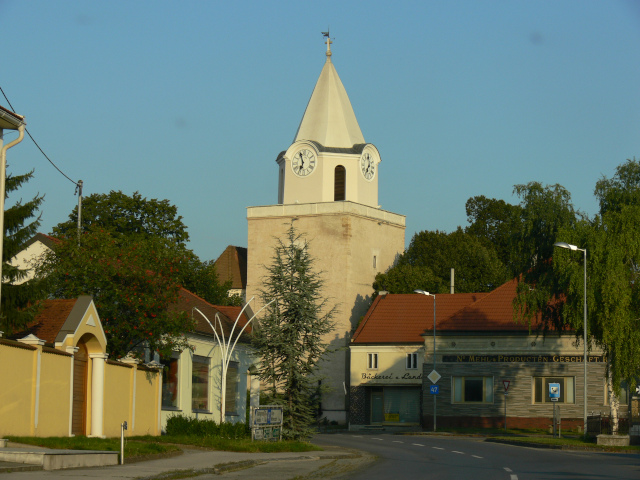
(519,358)
(390,376)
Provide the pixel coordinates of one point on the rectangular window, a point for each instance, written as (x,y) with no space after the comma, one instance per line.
(232,389)
(541,389)
(170,383)
(472,389)
(200,383)
(412,361)
(372,361)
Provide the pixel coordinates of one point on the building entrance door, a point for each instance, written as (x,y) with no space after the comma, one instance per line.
(79,409)
(377,406)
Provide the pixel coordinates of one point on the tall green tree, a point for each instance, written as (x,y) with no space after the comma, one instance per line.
(497,224)
(133,282)
(136,218)
(19,297)
(612,240)
(126,215)
(427,264)
(290,337)
(545,211)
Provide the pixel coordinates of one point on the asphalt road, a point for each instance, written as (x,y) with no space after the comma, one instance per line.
(442,457)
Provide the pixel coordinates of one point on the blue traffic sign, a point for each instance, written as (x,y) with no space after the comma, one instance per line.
(434,389)
(554,392)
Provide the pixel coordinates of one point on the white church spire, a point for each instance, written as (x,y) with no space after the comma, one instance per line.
(329,118)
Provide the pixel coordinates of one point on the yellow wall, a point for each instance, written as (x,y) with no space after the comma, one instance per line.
(18,387)
(147,403)
(53,415)
(16,381)
(117,392)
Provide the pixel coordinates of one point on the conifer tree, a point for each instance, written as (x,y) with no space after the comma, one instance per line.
(19,297)
(290,337)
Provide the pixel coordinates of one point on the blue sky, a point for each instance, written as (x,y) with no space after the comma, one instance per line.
(192,101)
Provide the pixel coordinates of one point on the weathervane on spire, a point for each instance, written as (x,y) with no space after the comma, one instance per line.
(329,42)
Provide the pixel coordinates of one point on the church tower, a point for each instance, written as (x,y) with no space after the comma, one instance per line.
(329,159)
(328,186)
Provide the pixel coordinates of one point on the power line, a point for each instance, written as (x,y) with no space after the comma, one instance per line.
(42,151)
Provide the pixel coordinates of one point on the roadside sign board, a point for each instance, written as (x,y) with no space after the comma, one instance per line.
(267,423)
(434,376)
(434,389)
(506,384)
(554,392)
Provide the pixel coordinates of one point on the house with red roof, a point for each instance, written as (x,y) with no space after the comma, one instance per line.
(192,379)
(485,362)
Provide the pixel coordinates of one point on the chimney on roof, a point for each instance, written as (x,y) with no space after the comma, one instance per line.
(453,283)
(383,293)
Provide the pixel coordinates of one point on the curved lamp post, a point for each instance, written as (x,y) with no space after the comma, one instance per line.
(226,348)
(584,327)
(422,292)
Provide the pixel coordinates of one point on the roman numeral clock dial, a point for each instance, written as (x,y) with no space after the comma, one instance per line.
(303,163)
(367,166)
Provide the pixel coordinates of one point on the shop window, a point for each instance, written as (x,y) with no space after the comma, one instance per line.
(412,361)
(472,389)
(170,383)
(395,405)
(200,383)
(372,361)
(623,394)
(541,389)
(231,393)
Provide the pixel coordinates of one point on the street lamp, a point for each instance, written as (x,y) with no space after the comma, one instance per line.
(584,327)
(422,292)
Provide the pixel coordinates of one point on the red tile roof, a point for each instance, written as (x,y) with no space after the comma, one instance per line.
(48,322)
(187,301)
(402,318)
(494,312)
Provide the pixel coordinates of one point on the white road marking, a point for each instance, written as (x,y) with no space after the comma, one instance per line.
(476,456)
(397,441)
(508,469)
(357,436)
(514,477)
(377,439)
(455,451)
(438,448)
(417,444)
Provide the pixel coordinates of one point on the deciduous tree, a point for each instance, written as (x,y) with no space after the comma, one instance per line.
(138,219)
(126,215)
(132,282)
(430,257)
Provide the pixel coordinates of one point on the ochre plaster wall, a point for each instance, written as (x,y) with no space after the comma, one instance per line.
(118,394)
(55,395)
(17,368)
(147,403)
(20,389)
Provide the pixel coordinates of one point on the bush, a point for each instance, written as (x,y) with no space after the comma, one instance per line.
(181,425)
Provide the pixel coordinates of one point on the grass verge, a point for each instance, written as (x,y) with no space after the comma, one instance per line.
(132,448)
(233,445)
(145,446)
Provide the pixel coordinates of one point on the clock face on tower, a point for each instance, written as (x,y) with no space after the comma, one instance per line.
(303,163)
(367,166)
